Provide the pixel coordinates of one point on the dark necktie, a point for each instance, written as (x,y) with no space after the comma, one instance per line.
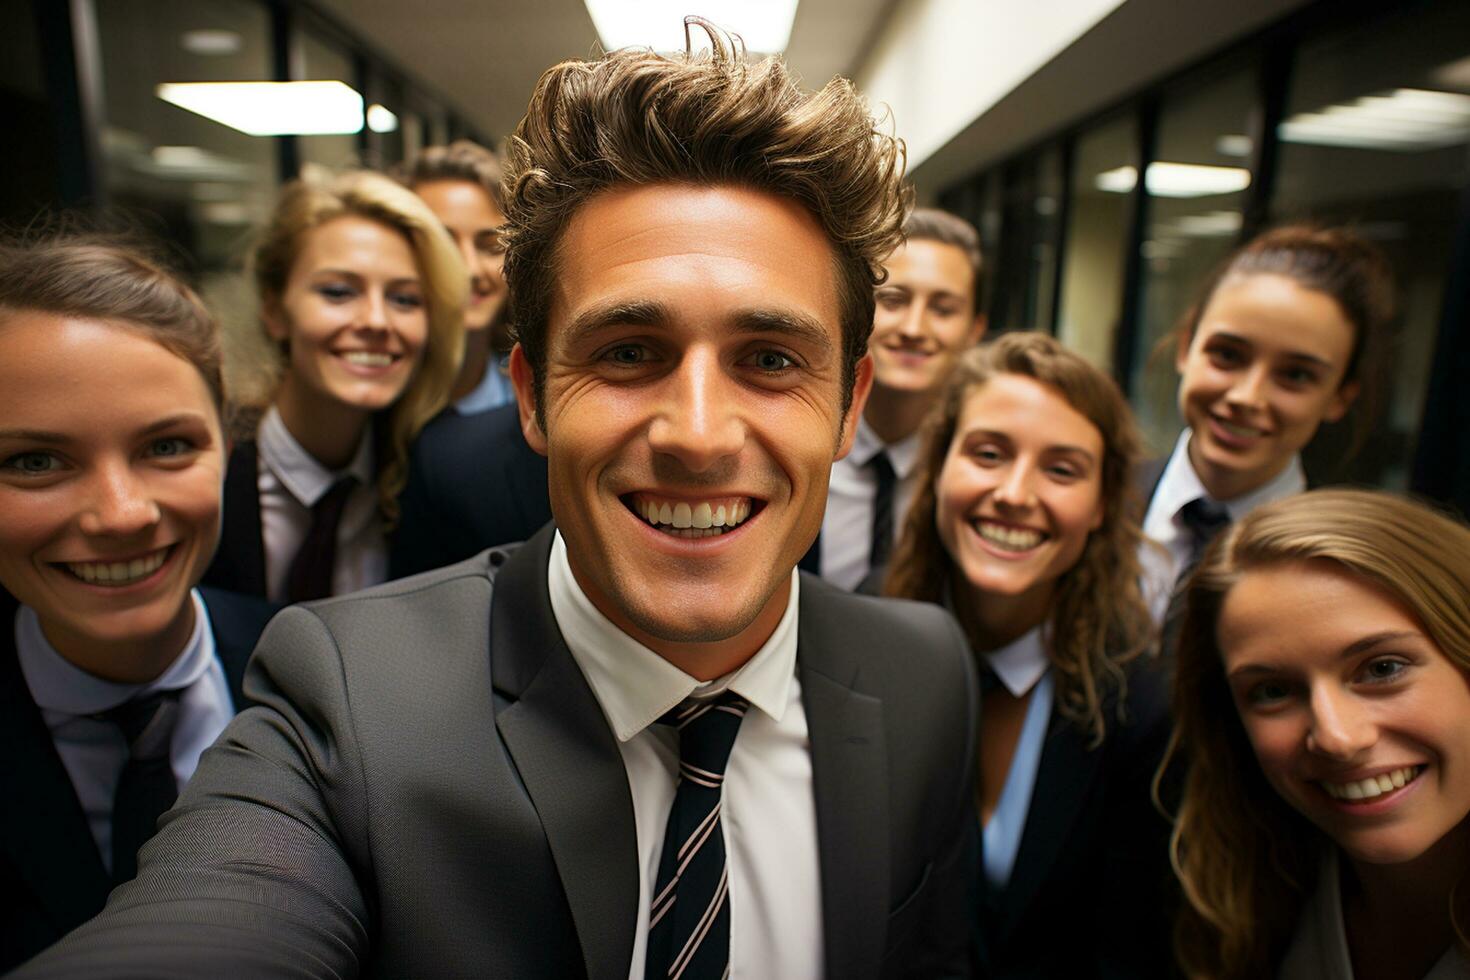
(310,576)
(882,542)
(1204,518)
(147,787)
(689,917)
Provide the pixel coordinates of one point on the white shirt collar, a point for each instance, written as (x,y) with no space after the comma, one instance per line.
(1022,663)
(903,454)
(634,685)
(1179,484)
(59,685)
(299,472)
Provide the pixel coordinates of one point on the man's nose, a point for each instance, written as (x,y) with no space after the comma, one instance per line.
(698,421)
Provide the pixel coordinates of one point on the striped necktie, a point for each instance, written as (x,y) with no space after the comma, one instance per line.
(689,917)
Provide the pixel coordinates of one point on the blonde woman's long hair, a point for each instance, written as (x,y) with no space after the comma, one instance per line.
(1098,618)
(1247,861)
(307,204)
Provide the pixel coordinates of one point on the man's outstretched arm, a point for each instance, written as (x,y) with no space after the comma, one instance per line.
(254,871)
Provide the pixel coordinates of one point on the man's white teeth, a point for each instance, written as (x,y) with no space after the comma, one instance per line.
(367,358)
(708,517)
(114,573)
(1374,786)
(1009,538)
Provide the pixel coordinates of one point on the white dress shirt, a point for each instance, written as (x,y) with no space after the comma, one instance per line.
(847,527)
(769,811)
(1319,949)
(493,390)
(290,482)
(94,751)
(1164,560)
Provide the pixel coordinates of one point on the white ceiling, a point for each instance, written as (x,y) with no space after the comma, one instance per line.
(485,55)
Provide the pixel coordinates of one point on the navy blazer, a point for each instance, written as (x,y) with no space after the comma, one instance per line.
(239,561)
(51,873)
(473,483)
(1091,889)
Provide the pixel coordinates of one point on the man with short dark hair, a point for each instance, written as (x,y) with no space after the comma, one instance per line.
(640,744)
(928,313)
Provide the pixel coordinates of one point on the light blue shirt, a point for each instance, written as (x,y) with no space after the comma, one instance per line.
(1021,666)
(94,751)
(493,390)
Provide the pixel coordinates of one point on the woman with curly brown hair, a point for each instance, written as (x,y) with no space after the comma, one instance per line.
(1022,526)
(1323,703)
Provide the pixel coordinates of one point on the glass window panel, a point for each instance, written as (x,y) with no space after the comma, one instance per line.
(317,59)
(28,111)
(1096,241)
(1391,160)
(1026,263)
(1197,185)
(195,182)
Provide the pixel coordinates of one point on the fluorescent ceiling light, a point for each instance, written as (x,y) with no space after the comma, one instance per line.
(381,119)
(1403,119)
(764,25)
(190,163)
(271,108)
(1176,180)
(1234,145)
(211,42)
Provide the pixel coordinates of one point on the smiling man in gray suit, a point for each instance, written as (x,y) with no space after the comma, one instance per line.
(640,744)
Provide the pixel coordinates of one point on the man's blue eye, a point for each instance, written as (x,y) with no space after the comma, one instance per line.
(770,360)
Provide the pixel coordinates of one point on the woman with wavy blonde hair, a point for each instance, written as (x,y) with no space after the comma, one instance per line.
(1022,525)
(1323,704)
(362,293)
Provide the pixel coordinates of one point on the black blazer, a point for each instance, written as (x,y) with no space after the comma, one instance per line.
(1091,889)
(51,874)
(239,562)
(432,790)
(473,483)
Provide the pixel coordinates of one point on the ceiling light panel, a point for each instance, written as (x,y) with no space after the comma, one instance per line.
(1404,119)
(764,25)
(1164,179)
(271,108)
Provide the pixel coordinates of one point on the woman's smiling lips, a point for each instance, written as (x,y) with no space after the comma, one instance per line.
(1374,793)
(368,363)
(1234,434)
(1006,540)
(112,574)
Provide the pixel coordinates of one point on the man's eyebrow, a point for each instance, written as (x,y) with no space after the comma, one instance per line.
(799,326)
(644,313)
(651,313)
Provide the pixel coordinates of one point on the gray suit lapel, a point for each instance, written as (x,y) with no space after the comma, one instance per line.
(850,780)
(557,736)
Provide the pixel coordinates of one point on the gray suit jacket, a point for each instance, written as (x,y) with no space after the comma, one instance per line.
(430,789)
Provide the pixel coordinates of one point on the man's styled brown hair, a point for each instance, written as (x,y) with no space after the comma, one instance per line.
(934,225)
(634,118)
(463,160)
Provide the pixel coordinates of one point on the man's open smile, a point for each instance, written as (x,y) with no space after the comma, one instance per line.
(693,518)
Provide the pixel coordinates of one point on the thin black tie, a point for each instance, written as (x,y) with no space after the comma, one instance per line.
(146,787)
(310,576)
(689,917)
(1204,518)
(882,510)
